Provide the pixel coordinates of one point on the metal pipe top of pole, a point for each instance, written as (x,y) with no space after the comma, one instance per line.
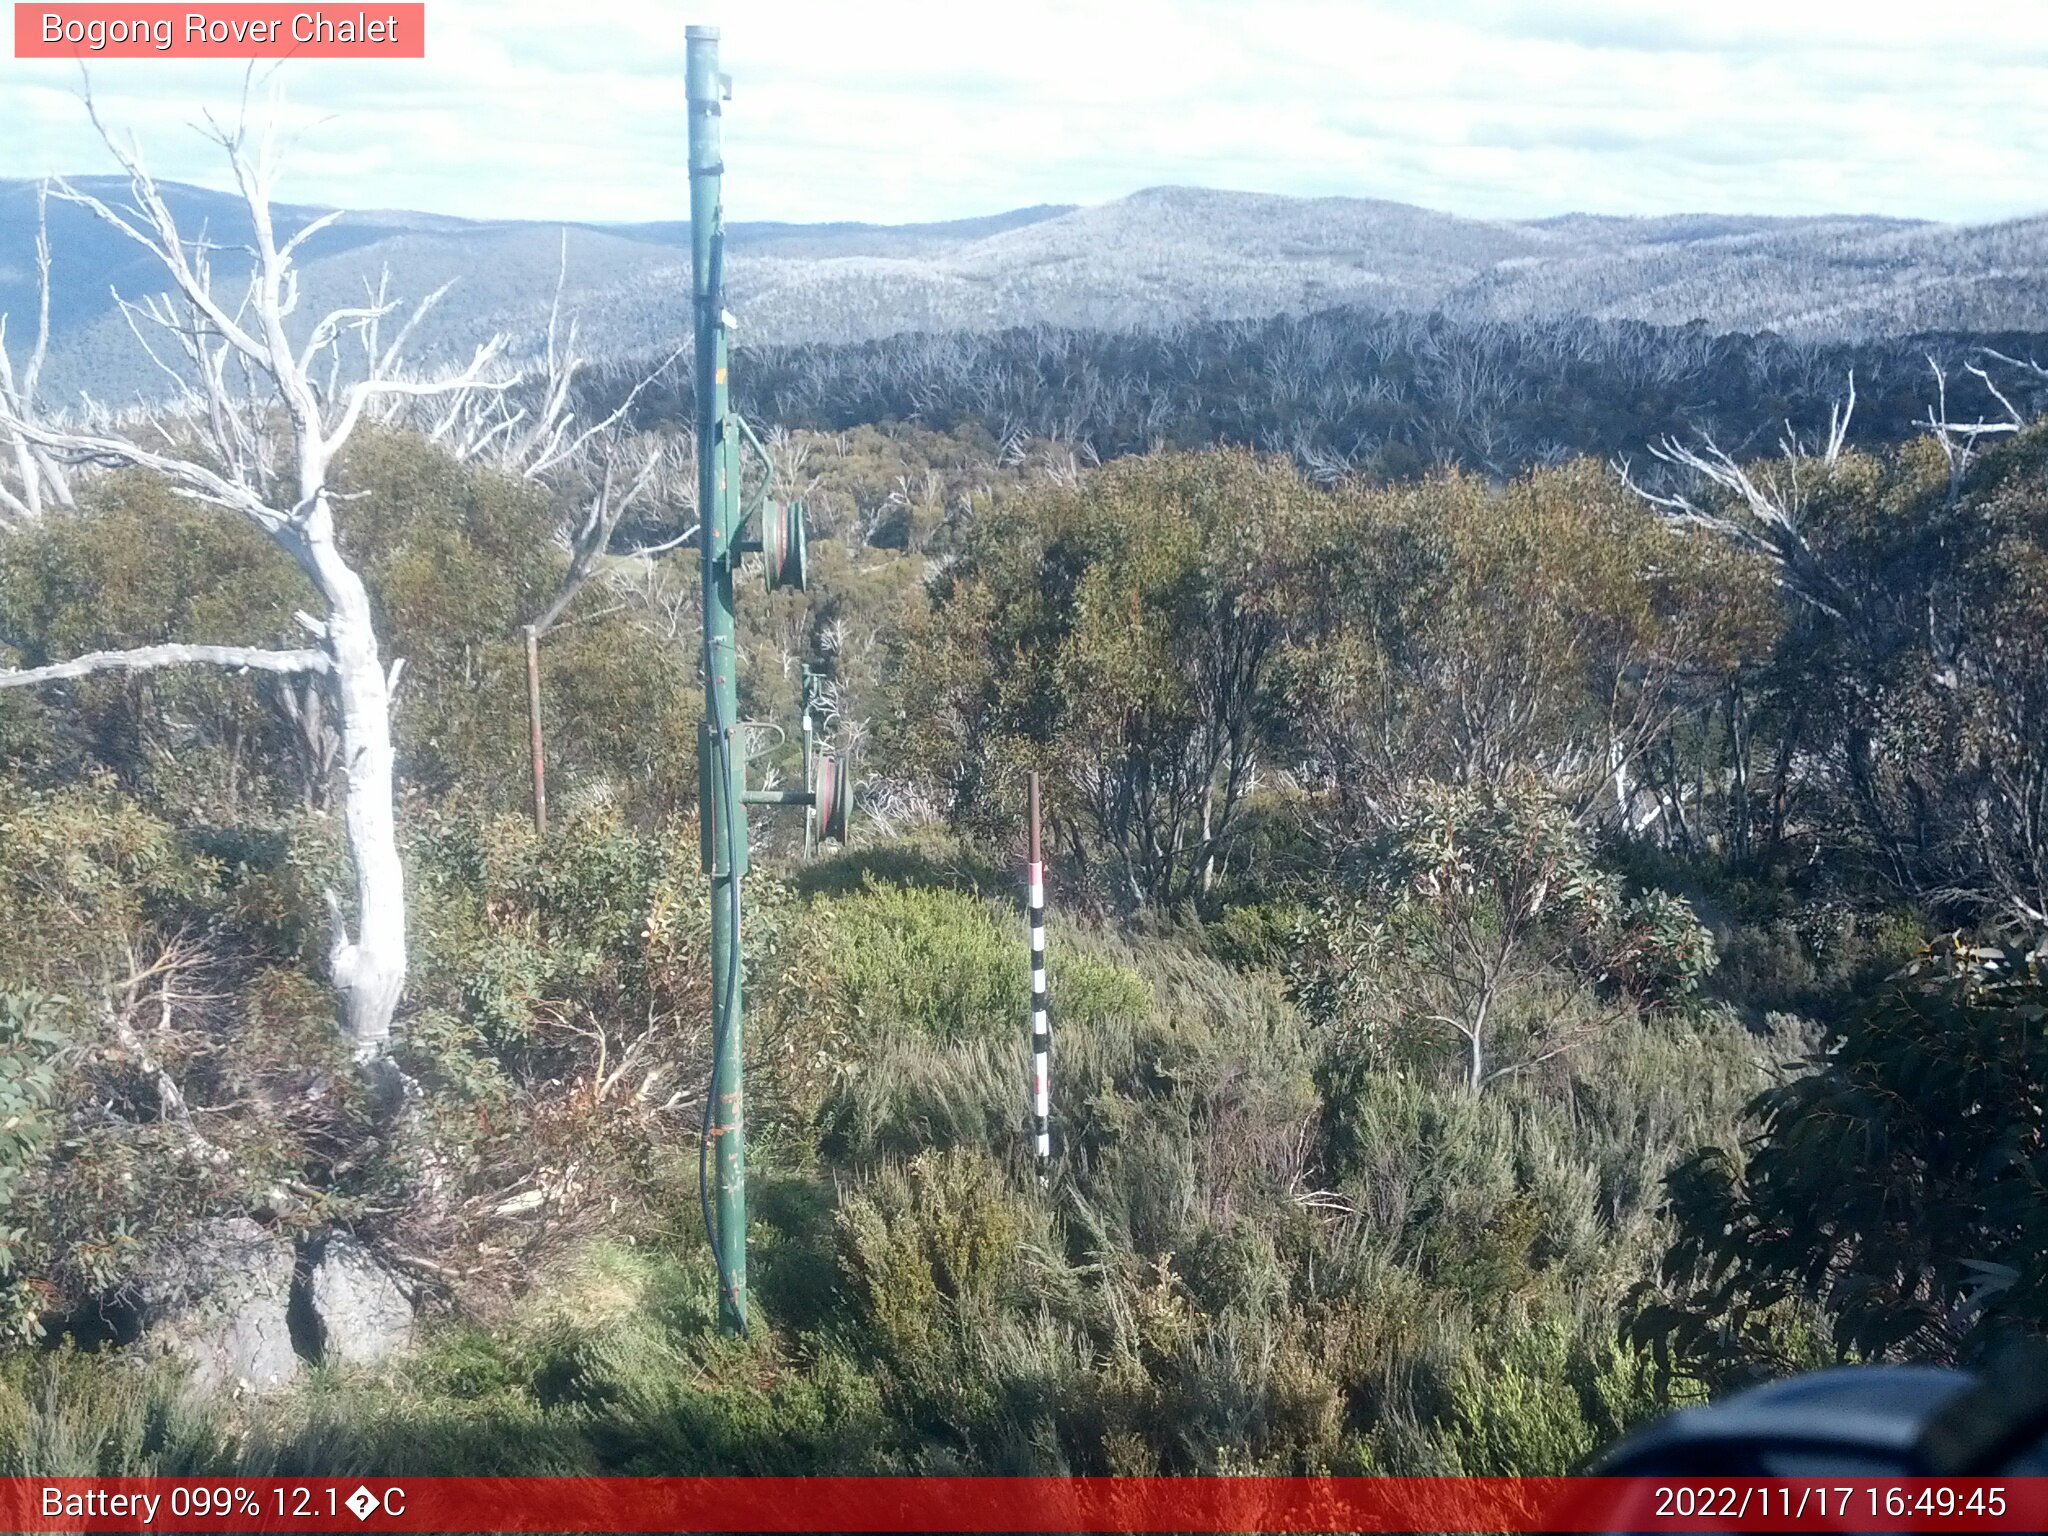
(703,85)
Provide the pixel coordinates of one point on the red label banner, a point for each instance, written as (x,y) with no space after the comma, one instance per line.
(1021,1504)
(381,29)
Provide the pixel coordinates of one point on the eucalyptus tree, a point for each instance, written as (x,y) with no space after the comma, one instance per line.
(1910,691)
(1125,626)
(1466,634)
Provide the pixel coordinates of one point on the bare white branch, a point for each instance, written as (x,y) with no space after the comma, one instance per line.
(198,480)
(474,377)
(1757,507)
(148,658)
(1958,440)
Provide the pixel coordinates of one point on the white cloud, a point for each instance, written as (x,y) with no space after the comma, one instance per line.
(907,110)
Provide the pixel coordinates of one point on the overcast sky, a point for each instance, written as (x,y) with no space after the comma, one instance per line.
(896,110)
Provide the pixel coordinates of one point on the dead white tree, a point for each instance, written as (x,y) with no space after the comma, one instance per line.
(263,420)
(1960,441)
(1761,506)
(37,478)
(600,470)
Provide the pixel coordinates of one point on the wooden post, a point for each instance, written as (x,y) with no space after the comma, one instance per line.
(540,762)
(1041,1017)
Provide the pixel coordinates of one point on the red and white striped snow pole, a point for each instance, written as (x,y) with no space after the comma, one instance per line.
(1041,1021)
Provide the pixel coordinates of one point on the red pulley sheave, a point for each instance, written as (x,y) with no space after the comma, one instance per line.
(785,552)
(834,796)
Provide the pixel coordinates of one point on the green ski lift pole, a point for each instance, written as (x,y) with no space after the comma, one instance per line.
(719,747)
(723,439)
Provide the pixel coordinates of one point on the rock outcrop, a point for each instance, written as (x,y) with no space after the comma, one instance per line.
(361,1311)
(218,1297)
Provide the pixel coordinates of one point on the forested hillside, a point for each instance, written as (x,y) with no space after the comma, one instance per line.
(1166,258)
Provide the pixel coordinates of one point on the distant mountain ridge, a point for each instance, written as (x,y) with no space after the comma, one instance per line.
(1159,257)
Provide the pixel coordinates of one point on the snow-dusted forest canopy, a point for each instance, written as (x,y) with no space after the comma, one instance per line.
(1166,258)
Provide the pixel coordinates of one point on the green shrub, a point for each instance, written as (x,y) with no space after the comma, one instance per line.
(943,966)
(1256,934)
(1539,1401)
(28,1075)
(1817,959)
(84,873)
(64,1413)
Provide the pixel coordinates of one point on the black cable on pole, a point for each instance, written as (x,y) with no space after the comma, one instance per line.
(720,1025)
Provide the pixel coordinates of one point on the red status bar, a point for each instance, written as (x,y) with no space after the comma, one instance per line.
(987,1504)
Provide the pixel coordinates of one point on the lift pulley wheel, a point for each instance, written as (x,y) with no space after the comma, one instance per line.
(785,552)
(834,792)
